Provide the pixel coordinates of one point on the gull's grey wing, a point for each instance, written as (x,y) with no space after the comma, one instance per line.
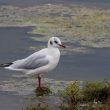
(31,62)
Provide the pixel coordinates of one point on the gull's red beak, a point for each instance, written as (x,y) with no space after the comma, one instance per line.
(61,45)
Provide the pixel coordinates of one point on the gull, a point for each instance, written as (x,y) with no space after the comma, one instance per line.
(39,62)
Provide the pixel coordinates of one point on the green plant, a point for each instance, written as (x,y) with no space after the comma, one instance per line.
(31,108)
(93,95)
(71,96)
(95,91)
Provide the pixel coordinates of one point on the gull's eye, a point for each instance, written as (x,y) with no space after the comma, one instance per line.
(56,42)
(51,42)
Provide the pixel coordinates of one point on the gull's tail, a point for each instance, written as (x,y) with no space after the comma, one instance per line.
(5,64)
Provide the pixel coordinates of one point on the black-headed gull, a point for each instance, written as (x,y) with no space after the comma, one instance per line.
(39,62)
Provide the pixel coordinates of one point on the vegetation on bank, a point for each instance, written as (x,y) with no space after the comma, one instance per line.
(82,96)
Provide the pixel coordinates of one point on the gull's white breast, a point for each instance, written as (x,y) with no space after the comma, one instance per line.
(53,55)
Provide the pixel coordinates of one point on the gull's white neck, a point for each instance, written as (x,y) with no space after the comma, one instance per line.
(53,51)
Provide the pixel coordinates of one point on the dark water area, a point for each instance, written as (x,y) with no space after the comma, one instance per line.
(15,40)
(25,3)
(8,101)
(91,66)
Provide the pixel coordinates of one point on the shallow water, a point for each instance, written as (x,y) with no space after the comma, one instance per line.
(95,3)
(91,66)
(8,101)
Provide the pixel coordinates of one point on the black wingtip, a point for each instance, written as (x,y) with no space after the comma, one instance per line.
(5,64)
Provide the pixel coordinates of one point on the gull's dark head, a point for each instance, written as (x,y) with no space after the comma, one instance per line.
(55,42)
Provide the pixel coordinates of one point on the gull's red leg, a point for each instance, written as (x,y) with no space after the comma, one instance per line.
(39,81)
(41,90)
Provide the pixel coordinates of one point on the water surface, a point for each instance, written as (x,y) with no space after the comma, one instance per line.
(95,3)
